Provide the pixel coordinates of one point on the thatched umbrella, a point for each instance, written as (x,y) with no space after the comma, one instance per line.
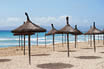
(18,34)
(28,28)
(52,32)
(66,30)
(91,40)
(76,32)
(93,31)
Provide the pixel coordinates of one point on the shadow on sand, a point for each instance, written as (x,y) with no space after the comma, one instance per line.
(69,51)
(88,57)
(86,48)
(100,46)
(5,60)
(41,55)
(54,66)
(101,52)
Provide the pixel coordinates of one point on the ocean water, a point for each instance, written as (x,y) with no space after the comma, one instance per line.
(7,39)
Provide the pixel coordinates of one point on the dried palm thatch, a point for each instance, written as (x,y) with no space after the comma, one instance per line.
(28,27)
(93,30)
(67,28)
(77,31)
(52,31)
(17,34)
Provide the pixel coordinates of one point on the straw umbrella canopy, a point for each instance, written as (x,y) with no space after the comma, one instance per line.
(76,32)
(28,28)
(66,30)
(52,32)
(93,31)
(103,35)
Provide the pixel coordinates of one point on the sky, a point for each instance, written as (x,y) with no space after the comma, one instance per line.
(46,12)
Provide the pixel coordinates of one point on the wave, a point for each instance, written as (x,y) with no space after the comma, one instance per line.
(13,41)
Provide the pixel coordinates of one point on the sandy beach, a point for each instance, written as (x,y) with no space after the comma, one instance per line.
(83,57)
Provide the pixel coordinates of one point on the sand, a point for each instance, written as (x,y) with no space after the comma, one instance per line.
(82,57)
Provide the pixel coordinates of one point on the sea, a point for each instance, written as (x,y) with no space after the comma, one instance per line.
(7,39)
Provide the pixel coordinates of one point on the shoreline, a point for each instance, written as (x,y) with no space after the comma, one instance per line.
(48,44)
(18,50)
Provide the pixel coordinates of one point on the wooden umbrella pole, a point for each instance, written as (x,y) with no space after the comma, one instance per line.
(62,39)
(68,43)
(103,39)
(53,43)
(37,39)
(19,40)
(90,40)
(29,49)
(75,40)
(24,44)
(94,43)
(21,43)
(65,38)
